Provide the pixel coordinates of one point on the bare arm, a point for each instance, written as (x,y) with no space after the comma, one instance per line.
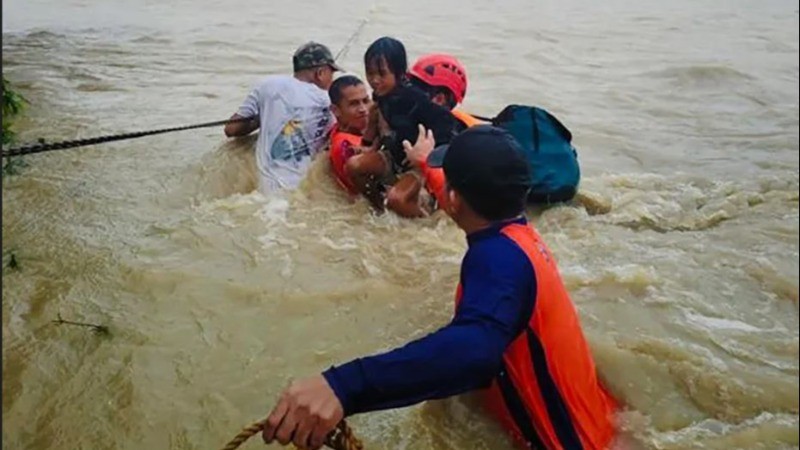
(241,128)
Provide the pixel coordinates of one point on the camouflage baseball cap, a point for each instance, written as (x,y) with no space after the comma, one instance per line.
(313,54)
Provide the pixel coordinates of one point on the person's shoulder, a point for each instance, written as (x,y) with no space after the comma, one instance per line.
(295,91)
(276,80)
(414,91)
(270,83)
(306,90)
(495,243)
(337,136)
(422,101)
(343,138)
(407,92)
(497,253)
(320,94)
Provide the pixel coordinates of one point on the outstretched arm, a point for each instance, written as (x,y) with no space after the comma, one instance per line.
(466,354)
(241,128)
(249,108)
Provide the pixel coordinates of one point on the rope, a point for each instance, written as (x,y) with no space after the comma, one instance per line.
(63,145)
(341,438)
(352,38)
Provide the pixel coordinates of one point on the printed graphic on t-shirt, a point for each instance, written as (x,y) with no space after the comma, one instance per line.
(291,143)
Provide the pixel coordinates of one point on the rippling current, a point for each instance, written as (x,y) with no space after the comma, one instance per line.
(681,250)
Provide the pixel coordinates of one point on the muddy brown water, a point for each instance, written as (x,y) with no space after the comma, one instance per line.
(681,254)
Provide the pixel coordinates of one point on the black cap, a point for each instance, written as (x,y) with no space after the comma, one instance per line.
(483,161)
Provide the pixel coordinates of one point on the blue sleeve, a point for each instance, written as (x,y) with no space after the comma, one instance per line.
(499,289)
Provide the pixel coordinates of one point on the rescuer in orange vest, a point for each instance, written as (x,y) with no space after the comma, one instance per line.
(515,333)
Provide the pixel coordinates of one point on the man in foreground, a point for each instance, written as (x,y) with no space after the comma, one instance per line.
(515,330)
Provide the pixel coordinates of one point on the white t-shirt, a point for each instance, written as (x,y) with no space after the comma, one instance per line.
(295,120)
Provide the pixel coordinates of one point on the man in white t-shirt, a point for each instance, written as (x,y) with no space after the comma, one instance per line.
(293,115)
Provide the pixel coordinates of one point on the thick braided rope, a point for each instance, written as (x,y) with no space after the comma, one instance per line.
(38,148)
(246,433)
(342,438)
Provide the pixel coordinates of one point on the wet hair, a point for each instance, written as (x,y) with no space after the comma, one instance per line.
(432,91)
(393,52)
(336,90)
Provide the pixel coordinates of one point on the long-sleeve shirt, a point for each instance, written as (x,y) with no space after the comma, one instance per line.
(498,287)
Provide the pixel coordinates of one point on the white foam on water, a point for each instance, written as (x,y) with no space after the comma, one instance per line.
(716,323)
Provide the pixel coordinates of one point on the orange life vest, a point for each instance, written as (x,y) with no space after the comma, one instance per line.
(547,393)
(466,119)
(342,144)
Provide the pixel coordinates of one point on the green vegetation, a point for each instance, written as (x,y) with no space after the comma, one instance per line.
(13,166)
(13,104)
(10,260)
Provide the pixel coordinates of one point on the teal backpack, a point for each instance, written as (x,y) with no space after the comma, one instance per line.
(548,147)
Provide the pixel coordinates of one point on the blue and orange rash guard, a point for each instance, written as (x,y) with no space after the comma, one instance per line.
(464,355)
(514,331)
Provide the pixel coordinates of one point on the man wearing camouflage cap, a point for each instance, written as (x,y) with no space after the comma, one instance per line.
(293,116)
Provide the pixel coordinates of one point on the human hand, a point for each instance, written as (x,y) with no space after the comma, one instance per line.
(307,411)
(418,153)
(371,132)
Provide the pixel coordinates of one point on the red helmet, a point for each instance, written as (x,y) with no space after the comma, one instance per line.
(442,71)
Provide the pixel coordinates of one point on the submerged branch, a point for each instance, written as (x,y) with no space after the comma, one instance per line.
(99,329)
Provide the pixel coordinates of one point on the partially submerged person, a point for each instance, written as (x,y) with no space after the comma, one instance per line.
(350,104)
(443,79)
(399,108)
(292,114)
(545,140)
(515,333)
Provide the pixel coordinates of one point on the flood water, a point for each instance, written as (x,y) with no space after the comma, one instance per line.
(681,253)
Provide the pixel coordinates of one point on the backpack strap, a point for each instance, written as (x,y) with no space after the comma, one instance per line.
(560,126)
(484,119)
(499,118)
